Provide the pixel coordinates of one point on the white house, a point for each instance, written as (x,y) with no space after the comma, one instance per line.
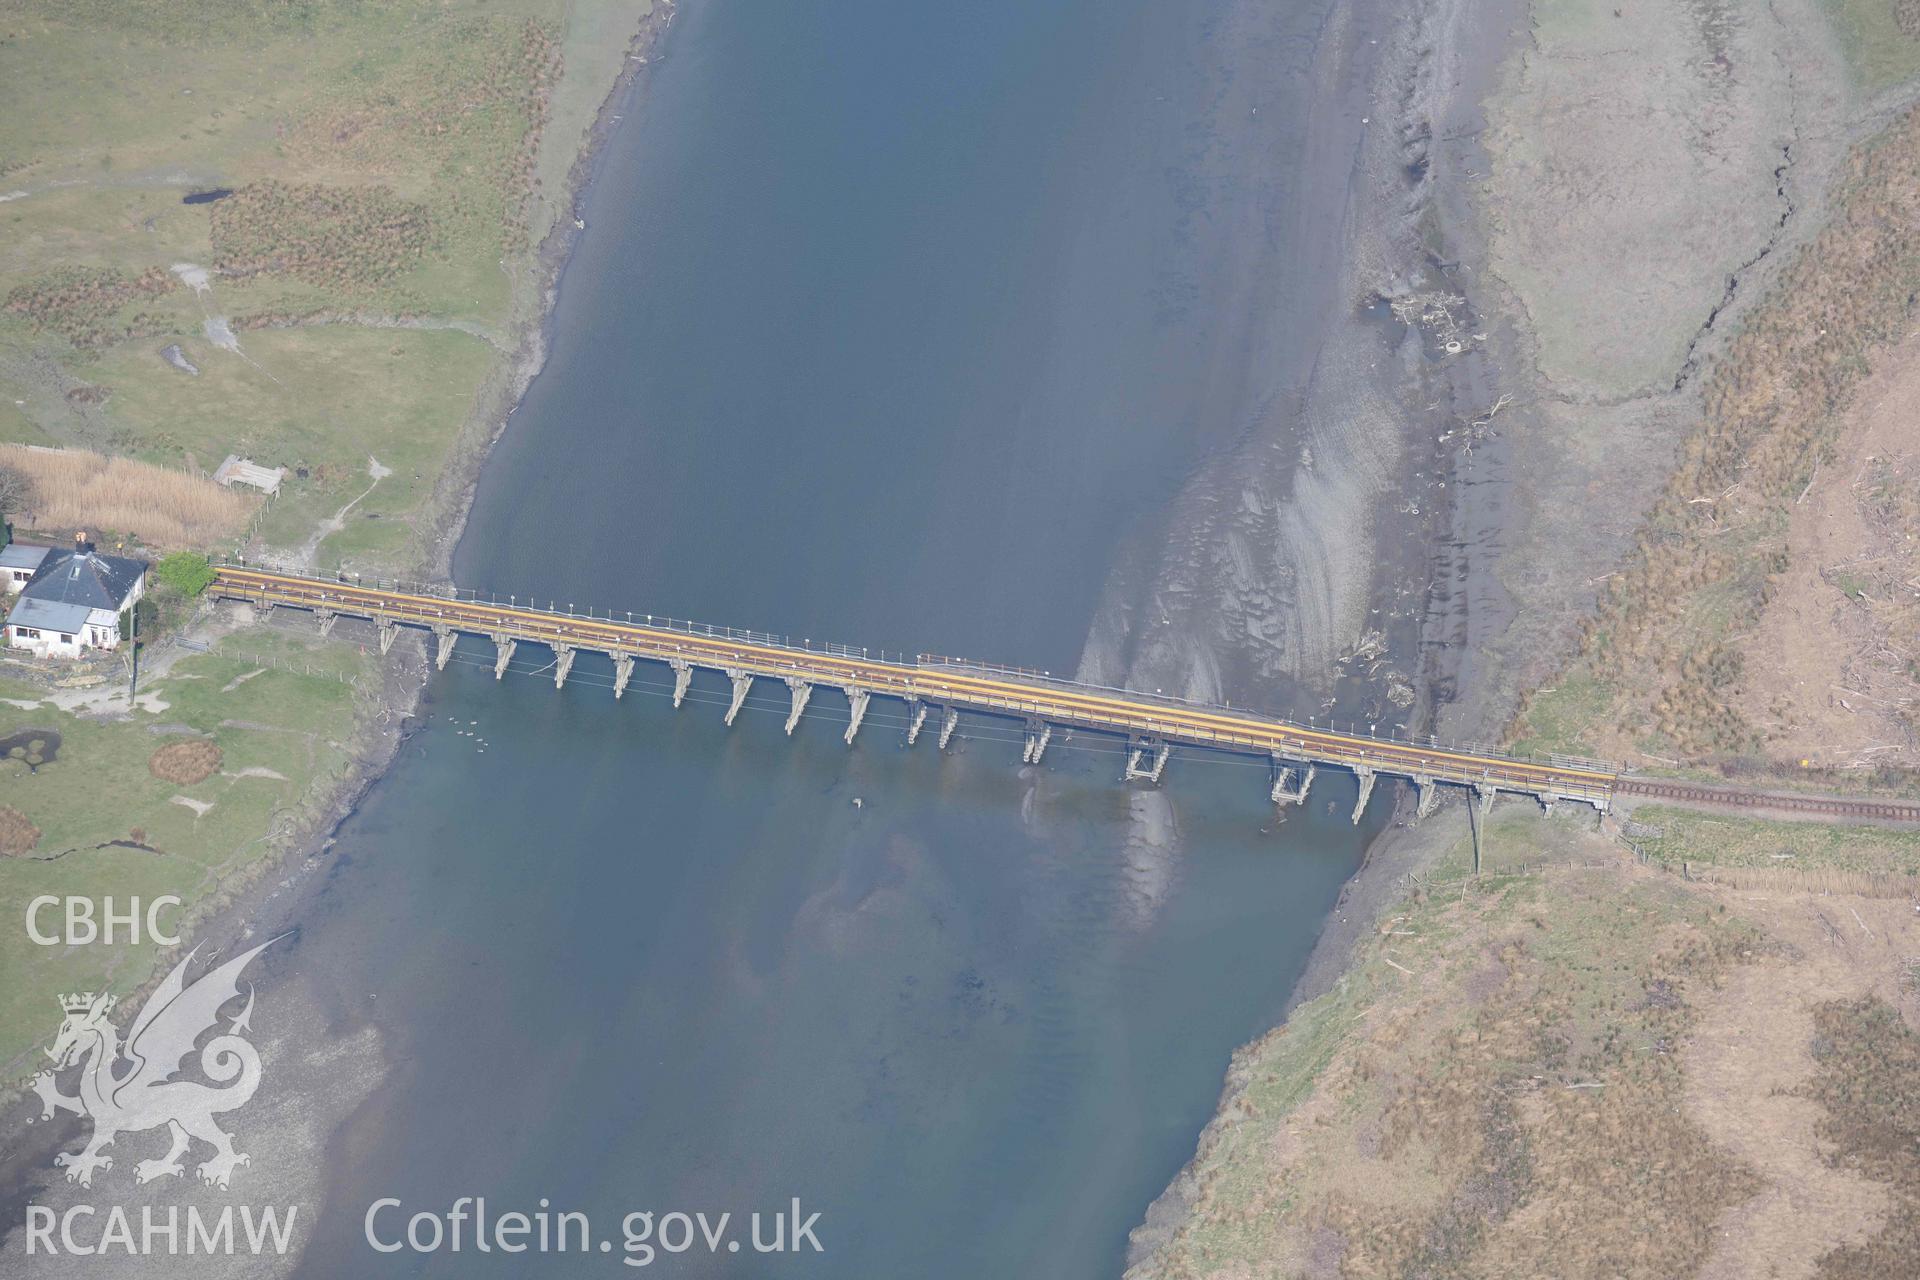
(18,563)
(73,602)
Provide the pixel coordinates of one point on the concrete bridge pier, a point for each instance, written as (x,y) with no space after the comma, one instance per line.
(682,677)
(916,716)
(801,692)
(622,672)
(857,700)
(1486,791)
(327,618)
(741,683)
(1146,760)
(949,721)
(262,609)
(503,647)
(562,662)
(443,649)
(1429,795)
(388,630)
(1039,733)
(1283,790)
(1367,777)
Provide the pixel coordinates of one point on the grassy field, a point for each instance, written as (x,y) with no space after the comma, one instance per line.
(1881,39)
(1576,1066)
(1712,839)
(387,161)
(282,741)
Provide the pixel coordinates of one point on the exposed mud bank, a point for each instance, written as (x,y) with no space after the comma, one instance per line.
(1531,273)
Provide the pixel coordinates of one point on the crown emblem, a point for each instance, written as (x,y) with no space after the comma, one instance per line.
(78,1003)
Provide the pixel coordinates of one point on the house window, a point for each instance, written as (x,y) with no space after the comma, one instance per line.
(65,638)
(26,633)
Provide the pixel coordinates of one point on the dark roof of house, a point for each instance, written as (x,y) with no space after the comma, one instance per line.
(85,578)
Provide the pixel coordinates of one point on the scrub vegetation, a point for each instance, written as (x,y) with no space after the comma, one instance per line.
(1663,663)
(1577,1065)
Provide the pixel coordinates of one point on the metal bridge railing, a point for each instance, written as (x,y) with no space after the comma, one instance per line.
(928,662)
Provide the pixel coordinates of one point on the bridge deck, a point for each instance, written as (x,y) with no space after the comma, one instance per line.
(928,680)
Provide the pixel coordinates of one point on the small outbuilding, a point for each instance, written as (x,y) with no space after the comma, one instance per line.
(73,601)
(19,561)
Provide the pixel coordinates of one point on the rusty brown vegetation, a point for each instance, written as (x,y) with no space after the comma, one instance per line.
(1664,647)
(17,835)
(185,763)
(87,305)
(343,237)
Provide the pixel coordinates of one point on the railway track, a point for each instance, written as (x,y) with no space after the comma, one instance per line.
(1845,807)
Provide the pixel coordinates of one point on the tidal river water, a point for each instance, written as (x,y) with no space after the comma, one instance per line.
(890,325)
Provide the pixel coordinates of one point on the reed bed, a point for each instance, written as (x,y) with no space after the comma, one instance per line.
(78,489)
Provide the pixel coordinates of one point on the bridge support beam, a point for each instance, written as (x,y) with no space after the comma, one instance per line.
(503,647)
(857,700)
(1039,733)
(741,683)
(1429,795)
(682,677)
(1284,792)
(916,716)
(1146,760)
(327,618)
(1367,777)
(622,672)
(443,649)
(562,662)
(949,721)
(801,692)
(388,630)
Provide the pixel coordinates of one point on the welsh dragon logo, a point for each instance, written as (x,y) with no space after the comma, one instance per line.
(130,1088)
